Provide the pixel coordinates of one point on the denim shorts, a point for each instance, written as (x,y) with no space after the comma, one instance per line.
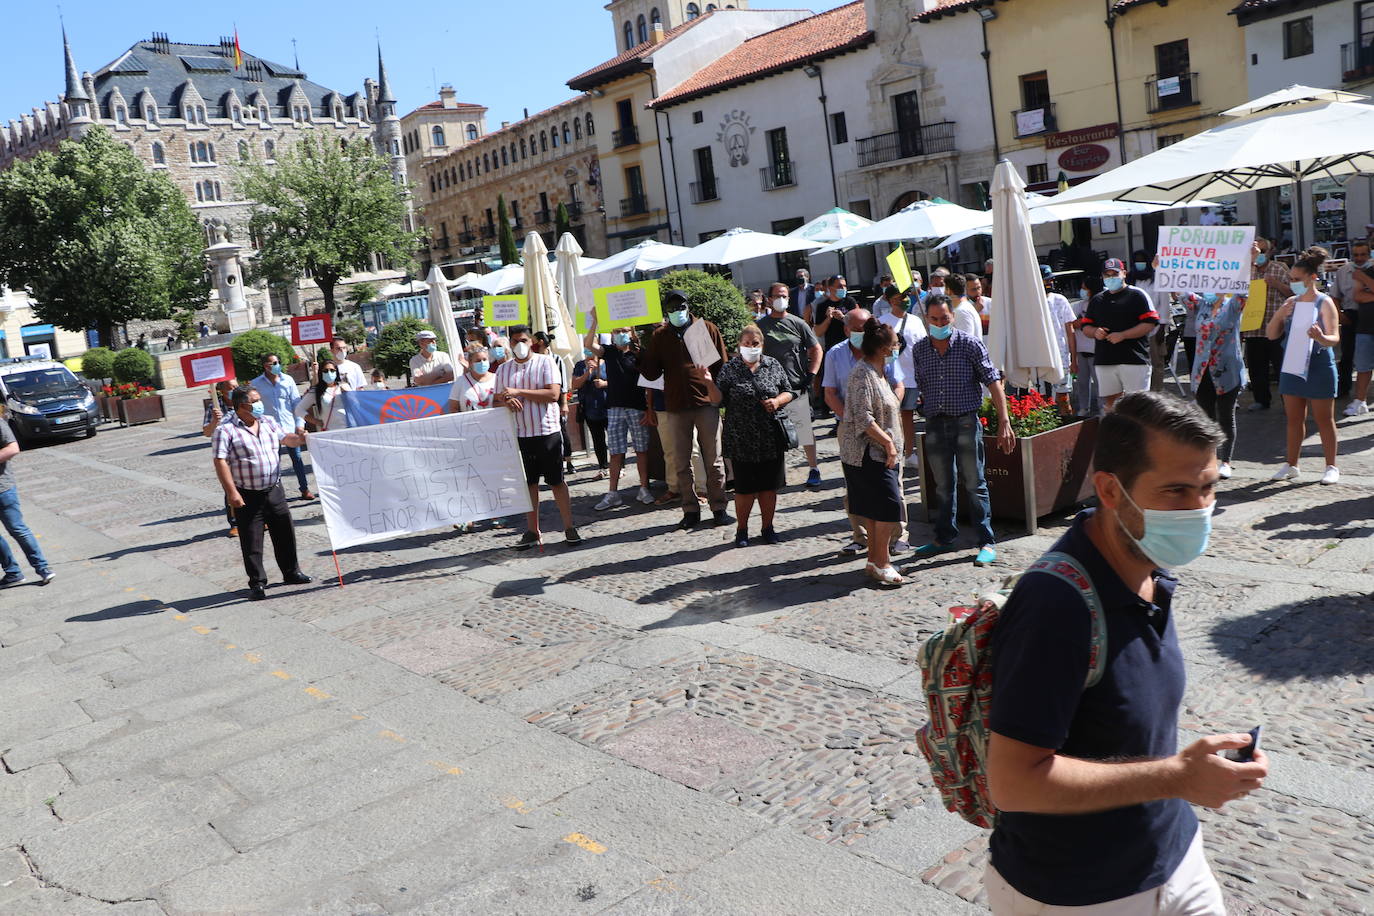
(1364,352)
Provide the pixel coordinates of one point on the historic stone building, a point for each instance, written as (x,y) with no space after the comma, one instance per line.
(440,127)
(536,163)
(191,111)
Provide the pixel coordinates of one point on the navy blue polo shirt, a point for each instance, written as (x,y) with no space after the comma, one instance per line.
(1039,665)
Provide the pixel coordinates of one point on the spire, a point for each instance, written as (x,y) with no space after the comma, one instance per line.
(75,91)
(383,84)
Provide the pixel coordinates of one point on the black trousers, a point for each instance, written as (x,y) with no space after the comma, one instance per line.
(266,507)
(1261,354)
(1346,365)
(597,429)
(1222,408)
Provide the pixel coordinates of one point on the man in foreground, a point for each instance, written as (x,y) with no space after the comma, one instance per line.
(1093,793)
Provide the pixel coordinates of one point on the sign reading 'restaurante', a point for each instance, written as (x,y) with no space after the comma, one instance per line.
(1204,259)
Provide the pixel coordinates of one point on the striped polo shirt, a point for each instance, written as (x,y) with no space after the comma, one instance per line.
(535,418)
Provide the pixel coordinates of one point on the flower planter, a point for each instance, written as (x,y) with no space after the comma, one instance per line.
(299,372)
(109,407)
(1044,473)
(141,410)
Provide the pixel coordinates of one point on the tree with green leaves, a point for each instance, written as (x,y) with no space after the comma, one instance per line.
(562,221)
(711,297)
(98,239)
(510,254)
(326,208)
(360,293)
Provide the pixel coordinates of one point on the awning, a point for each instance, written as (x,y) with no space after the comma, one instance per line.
(37,330)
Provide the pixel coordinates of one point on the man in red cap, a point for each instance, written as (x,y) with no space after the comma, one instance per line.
(1120,318)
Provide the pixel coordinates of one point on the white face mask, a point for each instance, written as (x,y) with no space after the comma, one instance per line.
(780,304)
(522,350)
(751,354)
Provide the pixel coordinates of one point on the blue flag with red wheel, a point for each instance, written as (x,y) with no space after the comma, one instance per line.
(368,407)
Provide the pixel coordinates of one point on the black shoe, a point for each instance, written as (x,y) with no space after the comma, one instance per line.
(257,593)
(719,517)
(571,536)
(528,540)
(11,580)
(770,536)
(298,578)
(741,537)
(689,521)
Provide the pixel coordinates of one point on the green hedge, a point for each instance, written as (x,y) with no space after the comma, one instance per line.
(133,365)
(252,347)
(396,345)
(710,297)
(98,363)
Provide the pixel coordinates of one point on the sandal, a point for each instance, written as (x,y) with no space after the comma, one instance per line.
(886,576)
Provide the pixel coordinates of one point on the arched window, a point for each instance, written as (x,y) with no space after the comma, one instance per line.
(543,141)
(436,135)
(269,149)
(591,131)
(462,172)
(159,158)
(395,147)
(524,149)
(654,17)
(212,151)
(642,29)
(263,116)
(243,149)
(505,160)
(534,146)
(120,115)
(472,131)
(693,11)
(567,135)
(486,163)
(553,135)
(710,7)
(577,128)
(338,111)
(629,35)
(200,192)
(150,114)
(512,152)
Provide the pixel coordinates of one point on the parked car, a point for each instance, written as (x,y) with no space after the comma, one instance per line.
(44,400)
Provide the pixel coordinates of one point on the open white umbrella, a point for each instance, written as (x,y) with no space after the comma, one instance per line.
(504,280)
(466,281)
(409,288)
(833,225)
(1022,340)
(1294,135)
(566,273)
(738,245)
(1046,210)
(647,255)
(547,311)
(925,219)
(441,313)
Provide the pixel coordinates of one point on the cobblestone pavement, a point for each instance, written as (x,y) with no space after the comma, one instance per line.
(654,722)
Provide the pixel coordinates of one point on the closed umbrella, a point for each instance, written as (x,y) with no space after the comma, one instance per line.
(831,226)
(925,219)
(566,273)
(441,312)
(547,311)
(647,255)
(738,245)
(1022,339)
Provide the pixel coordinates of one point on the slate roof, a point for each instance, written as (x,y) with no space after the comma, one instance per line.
(818,37)
(631,61)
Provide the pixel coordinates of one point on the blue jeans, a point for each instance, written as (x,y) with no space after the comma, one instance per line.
(954,445)
(297,464)
(13,521)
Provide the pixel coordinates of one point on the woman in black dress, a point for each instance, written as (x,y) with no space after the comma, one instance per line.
(753,389)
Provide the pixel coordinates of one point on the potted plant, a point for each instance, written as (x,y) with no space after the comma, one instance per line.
(139,403)
(108,399)
(1049,469)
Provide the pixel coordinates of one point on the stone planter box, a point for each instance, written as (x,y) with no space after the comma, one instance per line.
(141,410)
(1043,474)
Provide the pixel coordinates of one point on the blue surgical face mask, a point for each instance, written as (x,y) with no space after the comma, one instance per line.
(1173,537)
(1299,287)
(1261,259)
(479,367)
(1140,266)
(941,331)
(621,339)
(841,292)
(856,339)
(1209,298)
(891,358)
(1113,284)
(498,352)
(258,409)
(329,376)
(679,318)
(1083,293)
(587,354)
(431,347)
(274,368)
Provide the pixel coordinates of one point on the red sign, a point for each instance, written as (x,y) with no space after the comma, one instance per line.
(207,367)
(312,329)
(1084,157)
(1082,135)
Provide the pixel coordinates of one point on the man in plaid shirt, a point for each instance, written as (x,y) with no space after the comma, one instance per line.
(246,448)
(951,368)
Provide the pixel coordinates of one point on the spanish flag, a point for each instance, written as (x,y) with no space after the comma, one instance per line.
(238,52)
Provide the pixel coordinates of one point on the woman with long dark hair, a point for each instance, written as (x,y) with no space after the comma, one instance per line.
(323,404)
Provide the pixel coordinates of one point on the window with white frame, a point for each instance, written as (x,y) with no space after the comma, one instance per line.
(437,135)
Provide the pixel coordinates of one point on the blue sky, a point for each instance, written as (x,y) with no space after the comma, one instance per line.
(505,54)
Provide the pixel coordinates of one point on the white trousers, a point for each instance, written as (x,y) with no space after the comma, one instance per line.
(1191,890)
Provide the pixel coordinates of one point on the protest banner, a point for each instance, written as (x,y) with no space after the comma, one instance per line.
(901,271)
(506,311)
(307,330)
(207,367)
(1204,259)
(628,305)
(369,407)
(1252,319)
(385,481)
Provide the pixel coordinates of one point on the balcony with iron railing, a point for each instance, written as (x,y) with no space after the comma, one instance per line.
(466,237)
(907,143)
(543,217)
(1165,93)
(626,136)
(703,191)
(489,231)
(634,206)
(1032,122)
(574,210)
(1357,59)
(779,174)
(442,243)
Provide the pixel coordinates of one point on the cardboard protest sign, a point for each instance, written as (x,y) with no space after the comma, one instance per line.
(1204,259)
(506,311)
(901,271)
(311,329)
(628,305)
(1252,319)
(207,367)
(381,482)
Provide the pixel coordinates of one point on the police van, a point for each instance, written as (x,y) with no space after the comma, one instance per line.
(44,400)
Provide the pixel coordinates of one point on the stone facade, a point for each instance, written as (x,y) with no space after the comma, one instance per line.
(536,164)
(438,128)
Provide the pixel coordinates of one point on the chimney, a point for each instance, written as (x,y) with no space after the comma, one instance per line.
(656,35)
(505,124)
(448,96)
(527,114)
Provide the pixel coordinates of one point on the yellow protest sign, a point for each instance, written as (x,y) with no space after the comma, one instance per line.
(628,305)
(505,311)
(901,272)
(1253,317)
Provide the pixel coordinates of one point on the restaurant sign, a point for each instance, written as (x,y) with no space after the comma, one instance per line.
(1085,157)
(1096,134)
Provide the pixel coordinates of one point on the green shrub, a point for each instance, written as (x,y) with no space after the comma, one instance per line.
(352,331)
(396,345)
(322,354)
(710,297)
(98,363)
(252,347)
(133,365)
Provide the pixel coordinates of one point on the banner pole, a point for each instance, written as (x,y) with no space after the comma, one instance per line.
(337,569)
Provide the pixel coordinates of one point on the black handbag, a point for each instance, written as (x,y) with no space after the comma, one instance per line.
(787,430)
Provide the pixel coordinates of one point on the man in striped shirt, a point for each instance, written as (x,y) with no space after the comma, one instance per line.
(246,449)
(528,385)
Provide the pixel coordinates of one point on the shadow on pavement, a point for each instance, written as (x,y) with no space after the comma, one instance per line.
(216,535)
(1312,640)
(121,611)
(1330,520)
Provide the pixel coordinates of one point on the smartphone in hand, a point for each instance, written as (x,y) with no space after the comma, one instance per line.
(1247,753)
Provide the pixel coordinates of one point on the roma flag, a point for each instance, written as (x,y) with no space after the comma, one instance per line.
(238,52)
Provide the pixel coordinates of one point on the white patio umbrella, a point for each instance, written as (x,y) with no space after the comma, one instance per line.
(738,245)
(504,280)
(409,288)
(547,311)
(1045,210)
(647,255)
(1022,340)
(925,219)
(1297,134)
(566,272)
(441,313)
(466,281)
(833,225)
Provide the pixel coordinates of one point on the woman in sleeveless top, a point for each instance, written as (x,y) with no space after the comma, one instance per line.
(1317,390)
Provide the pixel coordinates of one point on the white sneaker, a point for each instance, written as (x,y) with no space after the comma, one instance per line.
(1224,471)
(1356,408)
(645,497)
(1332,475)
(610,501)
(1286,471)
